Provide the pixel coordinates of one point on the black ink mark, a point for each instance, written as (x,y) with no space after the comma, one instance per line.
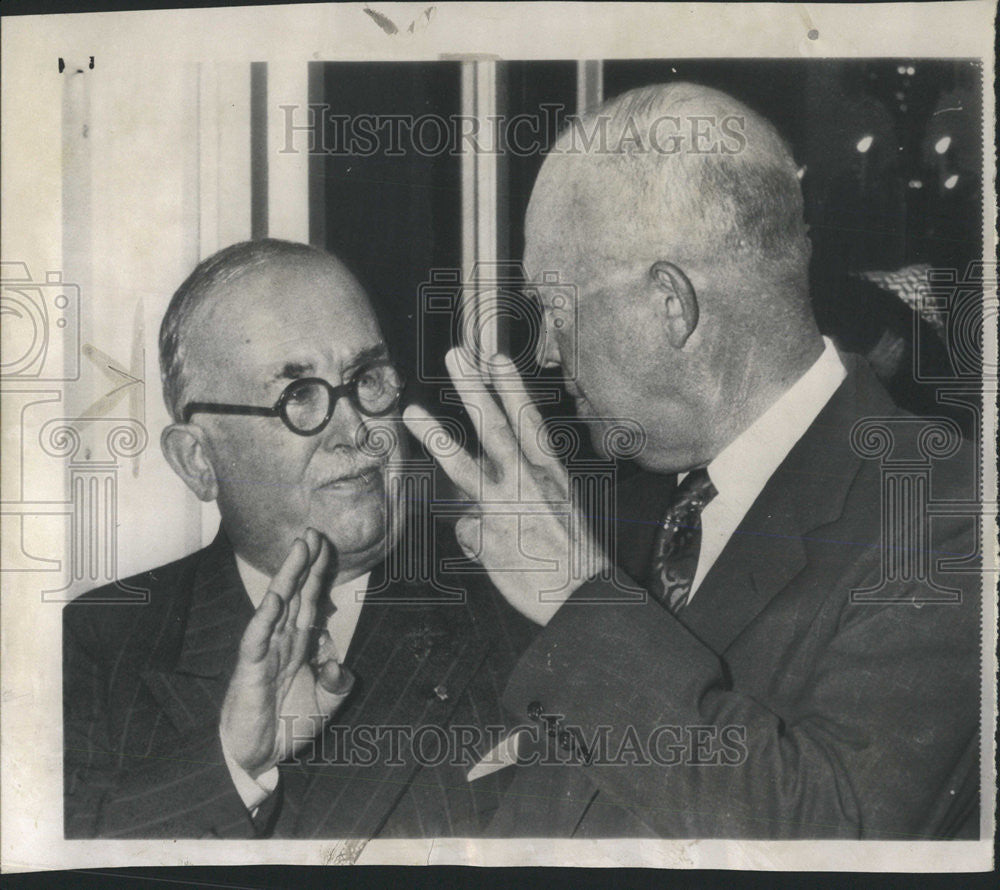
(390,27)
(384,22)
(424,19)
(62,65)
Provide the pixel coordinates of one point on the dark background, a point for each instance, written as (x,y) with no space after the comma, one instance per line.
(900,203)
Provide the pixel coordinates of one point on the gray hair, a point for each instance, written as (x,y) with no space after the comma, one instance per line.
(221,268)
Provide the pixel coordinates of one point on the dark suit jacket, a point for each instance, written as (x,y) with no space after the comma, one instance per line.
(846,718)
(143,687)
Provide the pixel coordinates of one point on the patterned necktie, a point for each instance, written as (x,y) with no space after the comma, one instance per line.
(678,541)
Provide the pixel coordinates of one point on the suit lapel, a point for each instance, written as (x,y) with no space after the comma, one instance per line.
(413,662)
(807,492)
(190,667)
(769,548)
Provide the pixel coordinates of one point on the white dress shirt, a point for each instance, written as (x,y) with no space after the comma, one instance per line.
(347,599)
(739,473)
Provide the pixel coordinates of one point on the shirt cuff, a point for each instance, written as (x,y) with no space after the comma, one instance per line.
(503,755)
(253,792)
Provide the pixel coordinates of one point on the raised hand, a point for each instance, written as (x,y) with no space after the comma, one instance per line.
(279,682)
(523,527)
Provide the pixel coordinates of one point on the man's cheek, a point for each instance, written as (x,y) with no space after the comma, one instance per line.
(271,475)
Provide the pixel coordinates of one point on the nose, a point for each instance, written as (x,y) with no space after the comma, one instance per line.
(346,426)
(375,437)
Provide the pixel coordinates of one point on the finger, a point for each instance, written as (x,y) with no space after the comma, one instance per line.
(326,650)
(461,468)
(312,542)
(553,483)
(468,532)
(312,539)
(525,418)
(257,637)
(488,418)
(313,585)
(286,582)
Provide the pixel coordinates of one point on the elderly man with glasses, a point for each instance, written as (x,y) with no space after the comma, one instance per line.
(203,708)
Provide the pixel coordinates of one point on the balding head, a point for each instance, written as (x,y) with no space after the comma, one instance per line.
(679,170)
(676,211)
(180,355)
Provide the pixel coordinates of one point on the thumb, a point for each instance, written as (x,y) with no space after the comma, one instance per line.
(335,679)
(331,675)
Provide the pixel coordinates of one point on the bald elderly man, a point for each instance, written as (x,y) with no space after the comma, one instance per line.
(253,694)
(797,663)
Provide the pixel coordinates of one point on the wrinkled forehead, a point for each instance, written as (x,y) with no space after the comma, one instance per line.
(282,308)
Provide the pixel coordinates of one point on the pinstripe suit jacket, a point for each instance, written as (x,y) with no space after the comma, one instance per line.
(143,686)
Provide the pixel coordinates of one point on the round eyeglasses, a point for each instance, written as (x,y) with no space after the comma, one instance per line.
(307,404)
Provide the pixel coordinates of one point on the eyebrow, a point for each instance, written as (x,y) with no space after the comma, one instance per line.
(371,354)
(297,370)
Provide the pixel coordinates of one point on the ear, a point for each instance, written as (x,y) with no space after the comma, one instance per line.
(679,299)
(186,450)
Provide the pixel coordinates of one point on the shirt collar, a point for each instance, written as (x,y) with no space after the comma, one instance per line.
(256,583)
(747,462)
